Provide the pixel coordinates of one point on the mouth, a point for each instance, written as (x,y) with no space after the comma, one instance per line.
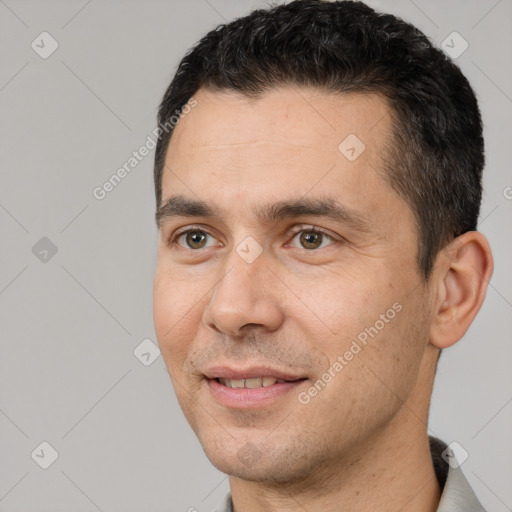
(252,383)
(250,388)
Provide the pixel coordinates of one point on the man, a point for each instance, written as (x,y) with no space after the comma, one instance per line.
(317,205)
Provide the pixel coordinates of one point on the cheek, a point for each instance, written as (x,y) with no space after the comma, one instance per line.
(393,354)
(176,314)
(363,317)
(342,303)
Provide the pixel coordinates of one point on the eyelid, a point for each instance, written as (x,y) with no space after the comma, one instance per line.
(182,231)
(315,229)
(188,227)
(310,227)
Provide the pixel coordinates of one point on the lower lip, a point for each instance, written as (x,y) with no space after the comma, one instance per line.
(243,398)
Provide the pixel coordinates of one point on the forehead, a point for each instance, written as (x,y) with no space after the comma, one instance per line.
(298,117)
(287,143)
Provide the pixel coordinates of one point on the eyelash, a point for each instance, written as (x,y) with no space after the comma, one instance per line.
(310,229)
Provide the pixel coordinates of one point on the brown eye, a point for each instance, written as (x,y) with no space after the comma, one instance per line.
(196,239)
(312,239)
(193,239)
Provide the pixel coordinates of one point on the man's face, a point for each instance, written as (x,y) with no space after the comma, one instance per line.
(246,297)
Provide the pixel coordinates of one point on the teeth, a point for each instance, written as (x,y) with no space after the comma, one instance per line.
(253,383)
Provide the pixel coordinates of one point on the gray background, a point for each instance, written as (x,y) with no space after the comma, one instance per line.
(69,324)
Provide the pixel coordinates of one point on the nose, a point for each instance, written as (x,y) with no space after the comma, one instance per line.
(246,295)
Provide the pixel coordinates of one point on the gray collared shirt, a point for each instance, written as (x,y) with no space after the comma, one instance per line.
(457,495)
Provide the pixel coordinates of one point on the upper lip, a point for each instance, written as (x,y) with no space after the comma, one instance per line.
(228,372)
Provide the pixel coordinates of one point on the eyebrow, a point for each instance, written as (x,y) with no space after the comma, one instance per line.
(181,206)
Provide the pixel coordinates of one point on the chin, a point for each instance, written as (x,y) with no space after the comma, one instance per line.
(272,465)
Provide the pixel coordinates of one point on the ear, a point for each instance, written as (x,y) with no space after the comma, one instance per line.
(462,272)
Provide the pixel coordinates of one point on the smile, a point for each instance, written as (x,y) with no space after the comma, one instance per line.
(237,388)
(256,382)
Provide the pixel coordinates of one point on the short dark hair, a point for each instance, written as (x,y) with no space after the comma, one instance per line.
(436,159)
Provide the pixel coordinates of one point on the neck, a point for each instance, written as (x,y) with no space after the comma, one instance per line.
(390,471)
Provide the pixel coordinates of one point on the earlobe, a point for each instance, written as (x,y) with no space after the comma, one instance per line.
(463,271)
